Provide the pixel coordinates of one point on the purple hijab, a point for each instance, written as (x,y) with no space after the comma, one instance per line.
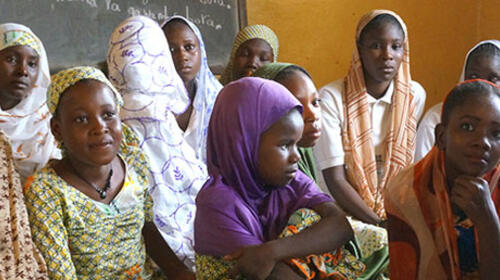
(234,207)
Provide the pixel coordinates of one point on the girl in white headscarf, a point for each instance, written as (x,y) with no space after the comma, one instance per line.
(24,118)
(481,62)
(141,68)
(190,60)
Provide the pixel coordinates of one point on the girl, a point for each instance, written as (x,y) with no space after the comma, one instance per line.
(90,212)
(298,81)
(369,118)
(190,59)
(442,219)
(481,62)
(372,240)
(24,78)
(254,46)
(255,186)
(141,68)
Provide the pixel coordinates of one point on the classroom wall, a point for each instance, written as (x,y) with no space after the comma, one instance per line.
(319,35)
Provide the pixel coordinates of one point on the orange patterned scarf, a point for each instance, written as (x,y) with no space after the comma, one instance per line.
(422,237)
(357,133)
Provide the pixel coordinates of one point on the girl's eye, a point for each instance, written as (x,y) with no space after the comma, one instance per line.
(11,59)
(496,134)
(472,76)
(494,79)
(265,58)
(375,46)
(244,53)
(316,102)
(397,46)
(189,47)
(80,119)
(467,127)
(33,64)
(109,115)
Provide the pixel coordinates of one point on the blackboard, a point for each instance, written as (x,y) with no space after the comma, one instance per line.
(76,32)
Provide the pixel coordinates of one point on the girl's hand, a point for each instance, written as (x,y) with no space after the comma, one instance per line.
(473,196)
(254,262)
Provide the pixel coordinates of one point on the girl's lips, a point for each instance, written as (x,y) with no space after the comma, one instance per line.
(101,145)
(185,69)
(316,133)
(482,160)
(387,69)
(19,84)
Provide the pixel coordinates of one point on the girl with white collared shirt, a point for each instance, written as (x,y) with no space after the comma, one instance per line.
(369,118)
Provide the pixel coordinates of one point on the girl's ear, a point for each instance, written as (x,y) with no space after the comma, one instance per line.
(440,136)
(55,127)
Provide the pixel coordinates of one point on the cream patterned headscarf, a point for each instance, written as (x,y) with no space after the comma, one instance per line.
(141,68)
(27,124)
(357,133)
(256,31)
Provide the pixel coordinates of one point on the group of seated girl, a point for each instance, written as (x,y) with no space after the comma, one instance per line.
(158,172)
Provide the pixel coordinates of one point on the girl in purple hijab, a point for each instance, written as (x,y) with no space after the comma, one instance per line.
(255,187)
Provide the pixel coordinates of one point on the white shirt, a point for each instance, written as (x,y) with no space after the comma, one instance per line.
(425,131)
(329,150)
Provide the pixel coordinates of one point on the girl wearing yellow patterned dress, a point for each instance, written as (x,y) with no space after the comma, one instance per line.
(90,212)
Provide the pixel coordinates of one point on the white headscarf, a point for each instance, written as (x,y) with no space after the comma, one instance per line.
(28,124)
(141,68)
(207,88)
(496,43)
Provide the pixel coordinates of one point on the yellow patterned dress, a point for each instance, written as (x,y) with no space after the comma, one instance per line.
(81,238)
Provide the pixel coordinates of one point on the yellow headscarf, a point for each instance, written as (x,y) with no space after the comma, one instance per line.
(256,31)
(68,77)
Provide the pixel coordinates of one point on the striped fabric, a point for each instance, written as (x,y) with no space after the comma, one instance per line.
(357,132)
(256,31)
(422,237)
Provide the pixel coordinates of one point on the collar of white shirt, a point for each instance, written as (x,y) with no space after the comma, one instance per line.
(387,98)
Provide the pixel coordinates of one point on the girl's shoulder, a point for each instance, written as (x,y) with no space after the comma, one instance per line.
(417,89)
(333,88)
(44,179)
(46,187)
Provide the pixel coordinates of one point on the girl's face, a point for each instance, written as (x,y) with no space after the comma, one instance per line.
(471,139)
(484,67)
(185,49)
(251,55)
(381,50)
(302,87)
(19,67)
(278,156)
(88,124)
